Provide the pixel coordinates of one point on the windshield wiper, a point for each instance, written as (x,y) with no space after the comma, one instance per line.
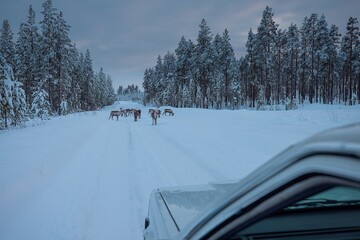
(320,203)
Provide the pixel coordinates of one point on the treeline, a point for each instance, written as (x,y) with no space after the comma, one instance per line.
(311,64)
(130,89)
(43,73)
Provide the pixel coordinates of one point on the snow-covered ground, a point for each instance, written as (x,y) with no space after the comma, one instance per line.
(83,176)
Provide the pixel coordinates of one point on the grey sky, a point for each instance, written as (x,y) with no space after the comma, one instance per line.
(125,37)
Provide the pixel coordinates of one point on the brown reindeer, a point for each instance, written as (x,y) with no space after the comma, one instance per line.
(157,111)
(128,112)
(137,114)
(151,110)
(169,111)
(115,113)
(154,116)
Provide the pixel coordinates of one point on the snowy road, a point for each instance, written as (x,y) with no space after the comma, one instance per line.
(84,176)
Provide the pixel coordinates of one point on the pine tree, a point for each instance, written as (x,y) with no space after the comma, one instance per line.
(170,86)
(252,79)
(348,52)
(40,106)
(88,82)
(203,63)
(48,52)
(217,83)
(264,44)
(12,97)
(183,71)
(64,63)
(6,103)
(19,103)
(109,91)
(27,55)
(291,66)
(334,65)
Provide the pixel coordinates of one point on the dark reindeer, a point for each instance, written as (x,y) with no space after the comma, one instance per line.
(137,114)
(157,111)
(169,111)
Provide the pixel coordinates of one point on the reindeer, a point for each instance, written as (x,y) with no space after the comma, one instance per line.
(128,112)
(115,113)
(123,113)
(137,114)
(151,110)
(154,116)
(157,111)
(169,111)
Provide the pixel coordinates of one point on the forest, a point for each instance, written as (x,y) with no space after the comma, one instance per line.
(43,74)
(312,63)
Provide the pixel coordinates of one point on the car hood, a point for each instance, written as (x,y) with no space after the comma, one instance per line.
(186,203)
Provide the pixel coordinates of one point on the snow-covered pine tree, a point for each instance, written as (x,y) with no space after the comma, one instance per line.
(40,106)
(74,101)
(109,91)
(311,81)
(159,81)
(229,67)
(19,103)
(63,109)
(146,85)
(203,63)
(323,56)
(27,55)
(7,49)
(348,53)
(334,65)
(6,103)
(49,66)
(291,63)
(64,63)
(100,88)
(170,86)
(217,83)
(12,97)
(252,79)
(264,43)
(243,79)
(88,87)
(279,87)
(183,71)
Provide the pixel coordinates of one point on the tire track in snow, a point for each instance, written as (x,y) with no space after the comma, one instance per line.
(135,187)
(152,157)
(193,156)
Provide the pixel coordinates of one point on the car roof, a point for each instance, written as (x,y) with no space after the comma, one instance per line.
(347,134)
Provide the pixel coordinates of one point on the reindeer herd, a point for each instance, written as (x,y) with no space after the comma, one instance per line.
(136,113)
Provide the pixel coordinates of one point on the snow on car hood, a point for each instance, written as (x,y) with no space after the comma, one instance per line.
(186,203)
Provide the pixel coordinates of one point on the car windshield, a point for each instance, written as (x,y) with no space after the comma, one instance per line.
(339,196)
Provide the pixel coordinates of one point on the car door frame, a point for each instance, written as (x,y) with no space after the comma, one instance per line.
(295,182)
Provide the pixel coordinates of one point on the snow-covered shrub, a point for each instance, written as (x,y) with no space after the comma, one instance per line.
(40,106)
(291,104)
(63,107)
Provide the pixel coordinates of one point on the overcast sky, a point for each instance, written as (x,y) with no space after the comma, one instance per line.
(126,36)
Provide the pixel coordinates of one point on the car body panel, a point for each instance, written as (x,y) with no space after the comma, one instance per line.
(186,203)
(172,208)
(334,153)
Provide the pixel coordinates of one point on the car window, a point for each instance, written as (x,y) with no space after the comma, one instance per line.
(329,213)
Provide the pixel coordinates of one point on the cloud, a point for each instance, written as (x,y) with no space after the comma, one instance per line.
(125,37)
